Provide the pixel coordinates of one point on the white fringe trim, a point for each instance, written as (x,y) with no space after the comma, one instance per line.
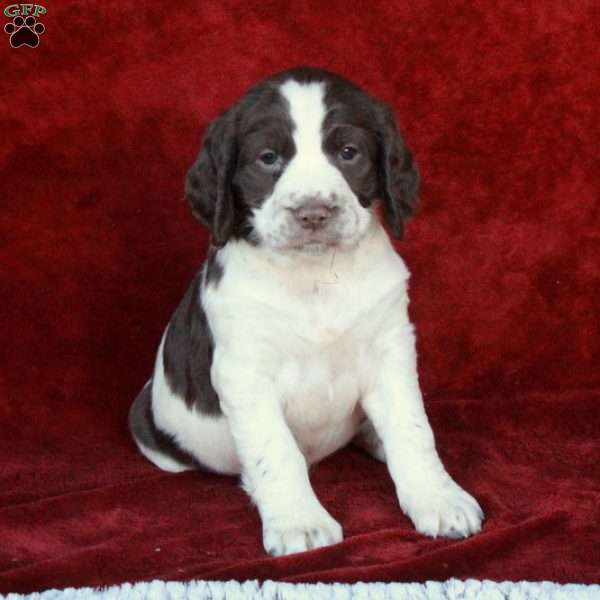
(453,589)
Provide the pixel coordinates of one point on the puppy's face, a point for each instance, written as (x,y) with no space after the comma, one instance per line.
(298,164)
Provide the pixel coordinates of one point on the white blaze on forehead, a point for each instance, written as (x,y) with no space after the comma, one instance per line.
(307,111)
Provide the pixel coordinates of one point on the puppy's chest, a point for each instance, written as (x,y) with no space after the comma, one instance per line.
(312,333)
(324,364)
(319,388)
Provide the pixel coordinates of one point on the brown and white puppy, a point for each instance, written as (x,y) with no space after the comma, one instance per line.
(294,338)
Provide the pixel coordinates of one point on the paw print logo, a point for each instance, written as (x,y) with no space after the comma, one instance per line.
(24,32)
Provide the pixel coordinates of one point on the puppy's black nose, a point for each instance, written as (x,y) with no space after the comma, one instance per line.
(313,215)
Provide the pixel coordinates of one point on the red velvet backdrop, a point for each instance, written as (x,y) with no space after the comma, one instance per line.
(499,101)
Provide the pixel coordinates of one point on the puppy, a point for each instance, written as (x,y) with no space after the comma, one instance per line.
(294,338)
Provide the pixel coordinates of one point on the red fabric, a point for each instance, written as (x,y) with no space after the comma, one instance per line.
(498,100)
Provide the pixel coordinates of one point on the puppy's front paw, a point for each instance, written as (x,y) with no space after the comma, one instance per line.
(301,532)
(449,512)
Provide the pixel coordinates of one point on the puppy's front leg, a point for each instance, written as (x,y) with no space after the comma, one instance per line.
(435,503)
(274,471)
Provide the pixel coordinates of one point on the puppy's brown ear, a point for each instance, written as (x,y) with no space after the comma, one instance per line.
(398,174)
(208,182)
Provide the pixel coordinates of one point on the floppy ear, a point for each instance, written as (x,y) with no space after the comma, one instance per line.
(398,174)
(208,182)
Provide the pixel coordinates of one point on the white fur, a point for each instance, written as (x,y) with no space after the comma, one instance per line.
(305,347)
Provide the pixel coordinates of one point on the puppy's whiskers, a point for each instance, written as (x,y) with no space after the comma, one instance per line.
(336,277)
(333,255)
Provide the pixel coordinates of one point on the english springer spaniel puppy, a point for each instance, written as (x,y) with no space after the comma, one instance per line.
(294,338)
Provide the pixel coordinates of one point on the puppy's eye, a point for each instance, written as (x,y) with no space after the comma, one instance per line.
(348,152)
(268,157)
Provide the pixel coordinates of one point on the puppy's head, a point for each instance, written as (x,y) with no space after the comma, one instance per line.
(298,164)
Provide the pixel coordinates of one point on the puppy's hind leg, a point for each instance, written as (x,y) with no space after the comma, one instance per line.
(157,446)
